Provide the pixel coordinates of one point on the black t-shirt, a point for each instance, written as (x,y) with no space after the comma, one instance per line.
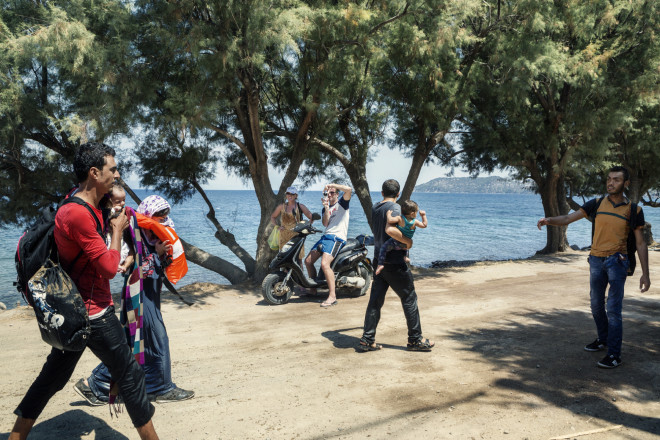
(379,218)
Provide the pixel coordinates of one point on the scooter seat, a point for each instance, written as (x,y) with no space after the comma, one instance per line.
(350,244)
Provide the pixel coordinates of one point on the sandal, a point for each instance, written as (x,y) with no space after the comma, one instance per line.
(325,305)
(363,346)
(421,345)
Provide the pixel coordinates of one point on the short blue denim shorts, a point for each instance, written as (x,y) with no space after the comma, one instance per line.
(329,244)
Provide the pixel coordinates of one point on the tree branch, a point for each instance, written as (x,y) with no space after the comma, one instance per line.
(229,136)
(332,150)
(375,28)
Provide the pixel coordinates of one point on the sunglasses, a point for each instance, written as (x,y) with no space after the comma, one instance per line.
(332,192)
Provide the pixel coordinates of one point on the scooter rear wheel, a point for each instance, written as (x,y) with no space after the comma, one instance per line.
(273,289)
(365,273)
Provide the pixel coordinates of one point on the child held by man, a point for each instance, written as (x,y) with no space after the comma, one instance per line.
(115,202)
(407,223)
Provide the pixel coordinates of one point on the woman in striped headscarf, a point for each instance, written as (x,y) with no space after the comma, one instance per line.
(157,361)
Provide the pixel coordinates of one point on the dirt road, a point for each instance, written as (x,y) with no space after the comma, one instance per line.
(508,364)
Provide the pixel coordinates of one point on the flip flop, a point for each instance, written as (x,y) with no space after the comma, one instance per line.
(325,305)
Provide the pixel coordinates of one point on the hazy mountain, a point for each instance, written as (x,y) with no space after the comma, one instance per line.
(478,185)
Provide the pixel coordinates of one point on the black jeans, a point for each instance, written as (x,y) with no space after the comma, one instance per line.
(400,279)
(108,342)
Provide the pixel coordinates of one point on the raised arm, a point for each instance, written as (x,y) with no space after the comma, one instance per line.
(348,192)
(562,220)
(643,252)
(424,223)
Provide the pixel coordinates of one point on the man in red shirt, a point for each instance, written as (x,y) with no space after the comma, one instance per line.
(75,231)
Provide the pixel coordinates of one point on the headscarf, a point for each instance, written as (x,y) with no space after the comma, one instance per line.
(154,204)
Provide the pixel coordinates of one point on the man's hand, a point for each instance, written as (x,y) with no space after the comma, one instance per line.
(120,222)
(543,222)
(644,283)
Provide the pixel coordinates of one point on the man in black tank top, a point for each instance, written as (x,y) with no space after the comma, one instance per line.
(395,274)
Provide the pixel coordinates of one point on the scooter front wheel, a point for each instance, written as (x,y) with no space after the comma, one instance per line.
(274,290)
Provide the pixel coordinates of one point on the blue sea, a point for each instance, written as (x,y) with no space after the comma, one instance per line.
(461,227)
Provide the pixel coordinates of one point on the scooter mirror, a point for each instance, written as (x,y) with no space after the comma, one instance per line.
(316,216)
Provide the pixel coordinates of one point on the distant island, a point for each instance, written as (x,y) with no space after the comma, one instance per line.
(478,185)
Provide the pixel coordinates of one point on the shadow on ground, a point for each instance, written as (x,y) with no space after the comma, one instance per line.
(72,425)
(454,266)
(545,356)
(198,293)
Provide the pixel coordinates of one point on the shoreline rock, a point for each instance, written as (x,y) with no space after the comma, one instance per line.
(440,264)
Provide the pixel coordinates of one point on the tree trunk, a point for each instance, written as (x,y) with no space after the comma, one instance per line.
(358,175)
(225,237)
(233,273)
(264,253)
(420,156)
(555,235)
(634,189)
(247,112)
(424,147)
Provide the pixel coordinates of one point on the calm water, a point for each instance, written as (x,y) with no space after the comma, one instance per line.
(461,227)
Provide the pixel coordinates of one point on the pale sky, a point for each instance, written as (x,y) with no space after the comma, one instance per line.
(386,164)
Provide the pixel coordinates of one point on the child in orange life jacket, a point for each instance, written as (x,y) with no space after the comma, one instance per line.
(406,223)
(155,262)
(115,202)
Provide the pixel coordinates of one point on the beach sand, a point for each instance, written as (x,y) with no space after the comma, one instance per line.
(509,364)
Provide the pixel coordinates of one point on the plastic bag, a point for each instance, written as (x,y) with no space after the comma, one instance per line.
(274,239)
(59,308)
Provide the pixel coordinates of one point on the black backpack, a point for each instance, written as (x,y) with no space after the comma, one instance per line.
(631,243)
(57,304)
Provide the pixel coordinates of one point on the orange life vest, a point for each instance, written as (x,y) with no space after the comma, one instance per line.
(179,266)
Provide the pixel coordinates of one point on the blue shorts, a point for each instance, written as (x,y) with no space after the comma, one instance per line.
(329,244)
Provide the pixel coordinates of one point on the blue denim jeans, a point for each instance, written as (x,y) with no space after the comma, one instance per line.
(609,324)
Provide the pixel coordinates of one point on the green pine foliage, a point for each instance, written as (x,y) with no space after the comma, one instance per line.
(554,86)
(552,91)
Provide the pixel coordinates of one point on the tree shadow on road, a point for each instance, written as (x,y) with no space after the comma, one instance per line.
(71,425)
(544,354)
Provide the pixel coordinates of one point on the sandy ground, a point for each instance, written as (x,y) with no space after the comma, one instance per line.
(508,364)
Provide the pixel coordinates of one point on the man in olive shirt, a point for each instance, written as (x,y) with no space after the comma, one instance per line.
(608,260)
